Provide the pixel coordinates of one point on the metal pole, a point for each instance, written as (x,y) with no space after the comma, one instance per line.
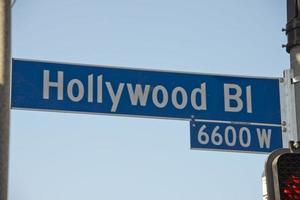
(295,66)
(293,47)
(5,31)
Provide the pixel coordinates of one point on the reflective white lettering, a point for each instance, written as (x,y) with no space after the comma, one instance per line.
(230,129)
(203,137)
(115,97)
(47,84)
(70,90)
(99,88)
(264,137)
(232,97)
(138,94)
(90,88)
(249,99)
(165,96)
(183,96)
(202,92)
(245,142)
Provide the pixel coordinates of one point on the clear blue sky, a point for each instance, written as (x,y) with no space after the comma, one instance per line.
(78,156)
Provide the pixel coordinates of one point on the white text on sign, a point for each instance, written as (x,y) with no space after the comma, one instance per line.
(239,137)
(93,88)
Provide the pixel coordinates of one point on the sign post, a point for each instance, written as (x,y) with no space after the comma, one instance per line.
(293,48)
(5,18)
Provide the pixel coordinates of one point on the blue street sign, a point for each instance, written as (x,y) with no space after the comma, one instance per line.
(110,90)
(235,137)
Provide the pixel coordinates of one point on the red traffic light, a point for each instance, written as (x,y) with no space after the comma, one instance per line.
(291,189)
(286,173)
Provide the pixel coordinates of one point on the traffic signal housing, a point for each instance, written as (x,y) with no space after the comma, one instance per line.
(282,175)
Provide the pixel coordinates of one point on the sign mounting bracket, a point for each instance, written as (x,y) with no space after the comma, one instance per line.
(288,113)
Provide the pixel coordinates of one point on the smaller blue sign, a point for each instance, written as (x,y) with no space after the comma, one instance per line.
(235,137)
